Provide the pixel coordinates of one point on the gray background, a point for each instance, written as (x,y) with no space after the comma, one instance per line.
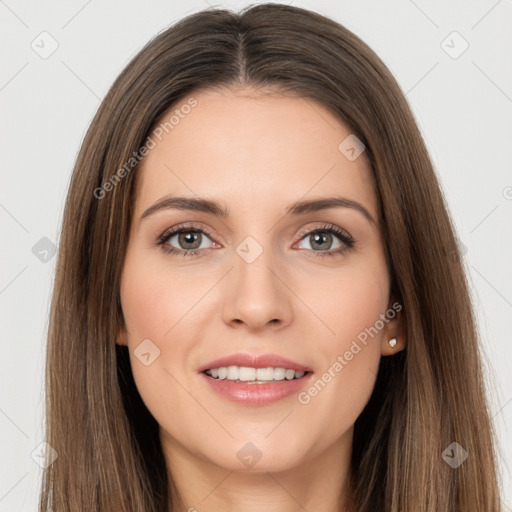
(462,102)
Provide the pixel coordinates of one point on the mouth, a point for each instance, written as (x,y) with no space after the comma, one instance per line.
(250,375)
(255,380)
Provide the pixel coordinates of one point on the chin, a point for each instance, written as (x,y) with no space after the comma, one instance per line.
(253,456)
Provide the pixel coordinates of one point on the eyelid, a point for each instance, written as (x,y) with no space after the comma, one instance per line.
(186,226)
(324,226)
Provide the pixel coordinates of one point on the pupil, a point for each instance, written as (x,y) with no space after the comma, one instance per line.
(189,237)
(318,237)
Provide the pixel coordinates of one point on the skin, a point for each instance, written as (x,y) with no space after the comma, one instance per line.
(256,154)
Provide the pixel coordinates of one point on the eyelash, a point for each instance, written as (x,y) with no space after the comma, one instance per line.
(347,239)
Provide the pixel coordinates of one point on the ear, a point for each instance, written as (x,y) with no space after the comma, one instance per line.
(394,328)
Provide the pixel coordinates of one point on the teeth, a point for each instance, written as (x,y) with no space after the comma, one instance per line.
(247,374)
(279,373)
(232,373)
(265,374)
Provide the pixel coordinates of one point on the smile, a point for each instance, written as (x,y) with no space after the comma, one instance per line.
(253,375)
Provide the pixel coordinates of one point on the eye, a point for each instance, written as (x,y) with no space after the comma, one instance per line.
(321,240)
(189,239)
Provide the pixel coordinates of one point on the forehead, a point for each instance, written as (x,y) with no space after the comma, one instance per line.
(252,151)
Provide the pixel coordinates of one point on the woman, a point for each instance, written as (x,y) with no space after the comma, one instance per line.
(314,348)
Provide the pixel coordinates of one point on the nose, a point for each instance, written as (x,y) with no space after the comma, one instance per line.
(257,294)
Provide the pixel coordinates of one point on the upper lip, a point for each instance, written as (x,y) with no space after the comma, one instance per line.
(255,361)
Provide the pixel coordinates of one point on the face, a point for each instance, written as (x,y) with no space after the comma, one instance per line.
(310,285)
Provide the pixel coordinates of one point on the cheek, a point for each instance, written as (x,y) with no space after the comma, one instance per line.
(152,308)
(158,307)
(352,351)
(353,359)
(146,305)
(349,301)
(153,302)
(358,304)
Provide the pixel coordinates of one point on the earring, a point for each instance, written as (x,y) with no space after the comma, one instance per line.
(392,342)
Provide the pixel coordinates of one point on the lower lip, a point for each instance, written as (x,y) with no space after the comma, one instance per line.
(257,394)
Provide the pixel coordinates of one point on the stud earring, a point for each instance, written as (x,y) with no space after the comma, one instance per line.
(392,342)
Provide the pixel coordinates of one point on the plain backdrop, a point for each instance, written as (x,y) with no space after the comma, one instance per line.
(461,98)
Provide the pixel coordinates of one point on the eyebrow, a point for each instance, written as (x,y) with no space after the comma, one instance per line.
(215,208)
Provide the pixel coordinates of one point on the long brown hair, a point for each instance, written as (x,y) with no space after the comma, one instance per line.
(426,397)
